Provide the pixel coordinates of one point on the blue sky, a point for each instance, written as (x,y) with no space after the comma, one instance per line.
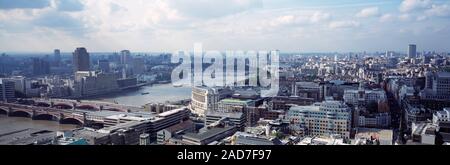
(168,25)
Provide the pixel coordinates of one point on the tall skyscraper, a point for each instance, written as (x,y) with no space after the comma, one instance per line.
(57,57)
(81,60)
(40,66)
(412,51)
(125,57)
(104,65)
(138,65)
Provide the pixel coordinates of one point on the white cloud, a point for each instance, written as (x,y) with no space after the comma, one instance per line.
(320,16)
(421,18)
(405,17)
(387,18)
(304,18)
(410,5)
(343,24)
(368,12)
(212,9)
(166,25)
(439,10)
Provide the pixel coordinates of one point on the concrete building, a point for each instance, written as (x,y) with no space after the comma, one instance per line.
(308,90)
(242,138)
(365,97)
(236,118)
(208,136)
(103,66)
(164,135)
(228,105)
(326,118)
(125,57)
(441,116)
(424,133)
(89,83)
(81,60)
(206,99)
(378,120)
(412,51)
(40,66)
(19,83)
(437,86)
(138,65)
(233,110)
(123,128)
(7,90)
(144,139)
(56,57)
(416,114)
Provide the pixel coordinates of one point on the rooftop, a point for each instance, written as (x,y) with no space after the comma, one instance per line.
(207,134)
(181,126)
(444,74)
(234,115)
(237,101)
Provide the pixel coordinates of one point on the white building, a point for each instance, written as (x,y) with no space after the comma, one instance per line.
(364,97)
(206,98)
(440,116)
(326,118)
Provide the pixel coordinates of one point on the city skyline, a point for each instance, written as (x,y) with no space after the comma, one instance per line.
(165,26)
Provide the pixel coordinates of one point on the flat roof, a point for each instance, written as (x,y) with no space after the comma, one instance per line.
(208,134)
(444,74)
(305,108)
(229,100)
(233,115)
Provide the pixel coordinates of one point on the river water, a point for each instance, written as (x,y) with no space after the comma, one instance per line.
(156,94)
(9,124)
(159,93)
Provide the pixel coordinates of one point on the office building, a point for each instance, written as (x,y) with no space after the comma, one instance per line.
(91,83)
(19,83)
(144,139)
(310,90)
(138,65)
(377,120)
(125,57)
(236,118)
(363,97)
(81,60)
(103,66)
(40,66)
(441,116)
(205,98)
(164,135)
(228,105)
(437,86)
(412,51)
(416,114)
(56,57)
(6,90)
(424,133)
(208,136)
(323,119)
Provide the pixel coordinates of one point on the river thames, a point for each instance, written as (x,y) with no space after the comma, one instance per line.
(159,93)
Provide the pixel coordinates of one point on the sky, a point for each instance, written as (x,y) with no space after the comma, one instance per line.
(169,25)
